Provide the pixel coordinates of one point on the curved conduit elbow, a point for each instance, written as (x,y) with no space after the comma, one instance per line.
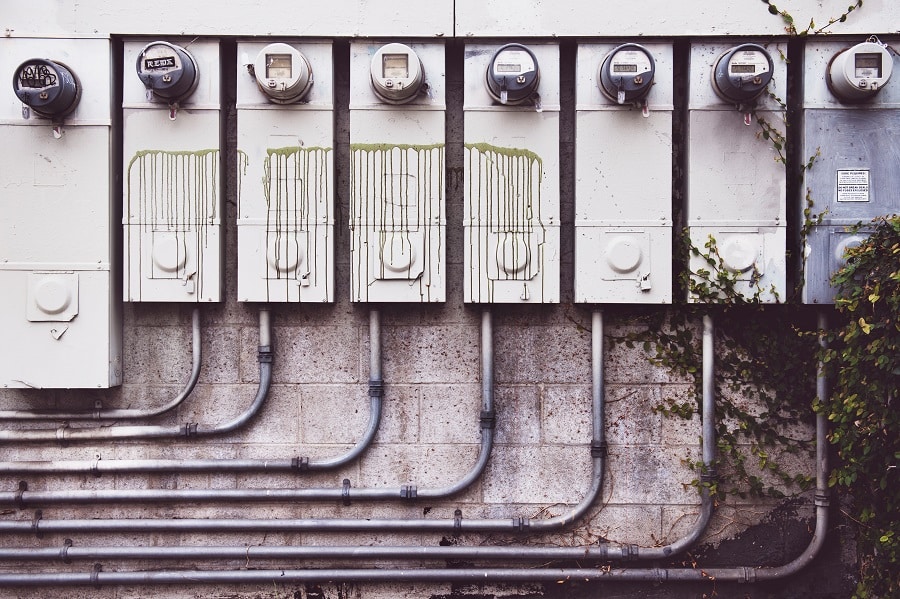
(125,413)
(443,575)
(344,493)
(65,433)
(297,464)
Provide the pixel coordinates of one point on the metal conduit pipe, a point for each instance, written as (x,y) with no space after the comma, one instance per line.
(470,574)
(604,551)
(124,413)
(64,433)
(295,464)
(344,494)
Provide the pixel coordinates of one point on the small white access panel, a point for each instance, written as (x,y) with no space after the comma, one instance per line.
(397,215)
(623,165)
(736,173)
(60,311)
(172,174)
(511,216)
(285,109)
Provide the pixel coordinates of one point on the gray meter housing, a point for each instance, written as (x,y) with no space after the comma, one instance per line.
(513,75)
(397,74)
(742,73)
(49,88)
(167,70)
(626,74)
(282,73)
(856,74)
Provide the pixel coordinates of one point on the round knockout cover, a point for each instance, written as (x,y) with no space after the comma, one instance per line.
(49,88)
(626,74)
(513,74)
(858,73)
(283,73)
(169,71)
(742,73)
(397,74)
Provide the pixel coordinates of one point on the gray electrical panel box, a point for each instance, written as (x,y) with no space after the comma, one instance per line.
(851,126)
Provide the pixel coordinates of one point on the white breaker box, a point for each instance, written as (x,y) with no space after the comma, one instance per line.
(397,203)
(511,213)
(59,302)
(736,177)
(285,121)
(623,169)
(172,194)
(855,176)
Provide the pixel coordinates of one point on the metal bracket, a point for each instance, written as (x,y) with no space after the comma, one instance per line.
(301,464)
(190,429)
(822,499)
(376,388)
(599,449)
(20,492)
(457,522)
(488,419)
(521,524)
(408,491)
(64,552)
(264,354)
(35,523)
(95,574)
(345,492)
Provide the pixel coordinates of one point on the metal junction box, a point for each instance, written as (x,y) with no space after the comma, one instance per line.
(623,166)
(59,300)
(172,171)
(397,205)
(285,114)
(736,176)
(855,176)
(511,214)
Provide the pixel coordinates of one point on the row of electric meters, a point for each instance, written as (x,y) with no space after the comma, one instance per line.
(60,295)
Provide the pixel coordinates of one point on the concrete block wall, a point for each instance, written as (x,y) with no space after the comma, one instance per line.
(430,434)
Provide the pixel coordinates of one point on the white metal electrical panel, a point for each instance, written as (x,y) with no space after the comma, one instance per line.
(60,311)
(623,166)
(511,214)
(851,132)
(397,205)
(736,173)
(285,114)
(172,192)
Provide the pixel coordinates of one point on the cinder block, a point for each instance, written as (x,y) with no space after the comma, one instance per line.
(518,415)
(630,419)
(433,466)
(566,414)
(636,525)
(542,354)
(158,354)
(432,354)
(333,414)
(451,413)
(220,354)
(319,354)
(648,474)
(547,474)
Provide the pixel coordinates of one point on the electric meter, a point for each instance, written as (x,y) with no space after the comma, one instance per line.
(513,74)
(167,70)
(742,73)
(858,73)
(397,74)
(49,88)
(626,74)
(283,73)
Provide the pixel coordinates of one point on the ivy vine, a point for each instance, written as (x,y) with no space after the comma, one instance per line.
(863,362)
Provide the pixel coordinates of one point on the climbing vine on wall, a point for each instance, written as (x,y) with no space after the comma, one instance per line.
(863,362)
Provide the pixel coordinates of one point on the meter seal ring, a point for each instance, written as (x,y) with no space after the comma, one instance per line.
(60,68)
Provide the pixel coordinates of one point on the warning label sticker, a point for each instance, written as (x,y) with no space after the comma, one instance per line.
(853,186)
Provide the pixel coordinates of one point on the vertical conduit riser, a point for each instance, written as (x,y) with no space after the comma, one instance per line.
(125,413)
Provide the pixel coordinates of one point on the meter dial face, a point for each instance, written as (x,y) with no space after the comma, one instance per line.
(397,74)
(626,74)
(858,73)
(167,70)
(49,88)
(513,75)
(742,73)
(282,73)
